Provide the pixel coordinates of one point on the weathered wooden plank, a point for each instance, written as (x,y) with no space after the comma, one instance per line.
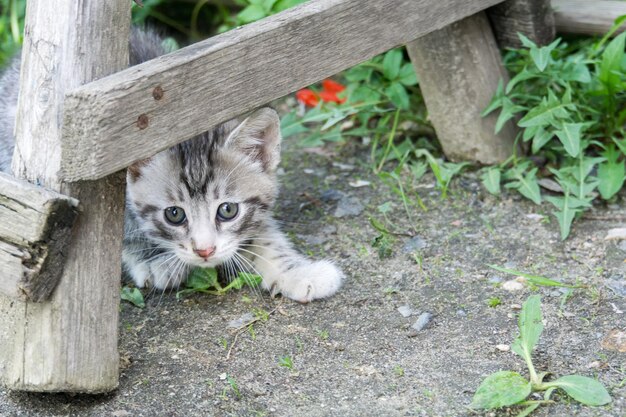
(118,120)
(587,17)
(35,227)
(459,69)
(68,343)
(533,18)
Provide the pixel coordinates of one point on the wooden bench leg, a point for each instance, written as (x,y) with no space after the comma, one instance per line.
(533,18)
(68,343)
(459,68)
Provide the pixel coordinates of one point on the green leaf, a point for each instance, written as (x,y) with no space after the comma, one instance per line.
(524,75)
(392,62)
(251,13)
(501,389)
(528,187)
(530,326)
(286,4)
(546,112)
(611,64)
(565,218)
(541,56)
(407,75)
(290,125)
(491,180)
(133,295)
(508,112)
(611,176)
(526,411)
(542,137)
(358,73)
(496,101)
(583,389)
(533,279)
(202,278)
(570,138)
(398,95)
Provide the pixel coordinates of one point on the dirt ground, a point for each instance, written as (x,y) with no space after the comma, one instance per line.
(355,354)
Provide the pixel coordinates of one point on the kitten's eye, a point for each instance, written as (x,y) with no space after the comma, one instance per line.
(227,211)
(175,216)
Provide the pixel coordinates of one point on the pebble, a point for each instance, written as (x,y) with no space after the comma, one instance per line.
(495,279)
(359,183)
(617,284)
(308,171)
(237,323)
(413,244)
(406,310)
(422,321)
(343,167)
(331,195)
(349,206)
(615,341)
(503,348)
(513,285)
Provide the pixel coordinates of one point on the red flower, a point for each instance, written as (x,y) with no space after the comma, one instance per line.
(328,94)
(307,97)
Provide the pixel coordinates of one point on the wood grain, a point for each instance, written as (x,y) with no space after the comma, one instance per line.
(587,17)
(116,121)
(459,69)
(533,18)
(35,226)
(68,343)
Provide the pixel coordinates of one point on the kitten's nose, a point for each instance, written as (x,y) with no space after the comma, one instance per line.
(205,253)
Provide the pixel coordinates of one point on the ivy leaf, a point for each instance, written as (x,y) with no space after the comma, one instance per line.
(570,138)
(496,101)
(407,75)
(392,63)
(491,180)
(133,295)
(546,112)
(508,112)
(398,95)
(501,389)
(583,389)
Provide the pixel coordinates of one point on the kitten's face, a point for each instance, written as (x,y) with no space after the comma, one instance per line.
(204,198)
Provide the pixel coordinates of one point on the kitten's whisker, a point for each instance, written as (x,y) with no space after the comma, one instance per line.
(240,260)
(257,255)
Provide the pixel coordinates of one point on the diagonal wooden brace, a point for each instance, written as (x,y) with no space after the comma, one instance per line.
(35,229)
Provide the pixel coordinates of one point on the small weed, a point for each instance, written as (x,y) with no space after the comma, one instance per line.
(398,370)
(286,362)
(133,295)
(261,314)
(252,332)
(494,302)
(323,334)
(223,342)
(508,388)
(233,385)
(204,280)
(535,280)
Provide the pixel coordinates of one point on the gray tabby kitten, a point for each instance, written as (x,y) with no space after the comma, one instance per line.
(205,202)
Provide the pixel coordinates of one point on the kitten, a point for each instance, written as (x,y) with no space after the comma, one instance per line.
(206,202)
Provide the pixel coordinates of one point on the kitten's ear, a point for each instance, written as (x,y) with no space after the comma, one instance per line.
(133,172)
(259,137)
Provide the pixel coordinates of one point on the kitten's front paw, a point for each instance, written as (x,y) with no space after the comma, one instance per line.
(309,282)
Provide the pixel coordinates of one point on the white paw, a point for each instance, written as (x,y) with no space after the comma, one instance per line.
(309,282)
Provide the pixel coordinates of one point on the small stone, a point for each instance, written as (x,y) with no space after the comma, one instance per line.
(617,233)
(359,183)
(422,321)
(308,171)
(495,279)
(343,167)
(513,285)
(241,321)
(503,348)
(617,284)
(615,340)
(223,376)
(331,195)
(406,310)
(534,216)
(516,306)
(413,244)
(349,206)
